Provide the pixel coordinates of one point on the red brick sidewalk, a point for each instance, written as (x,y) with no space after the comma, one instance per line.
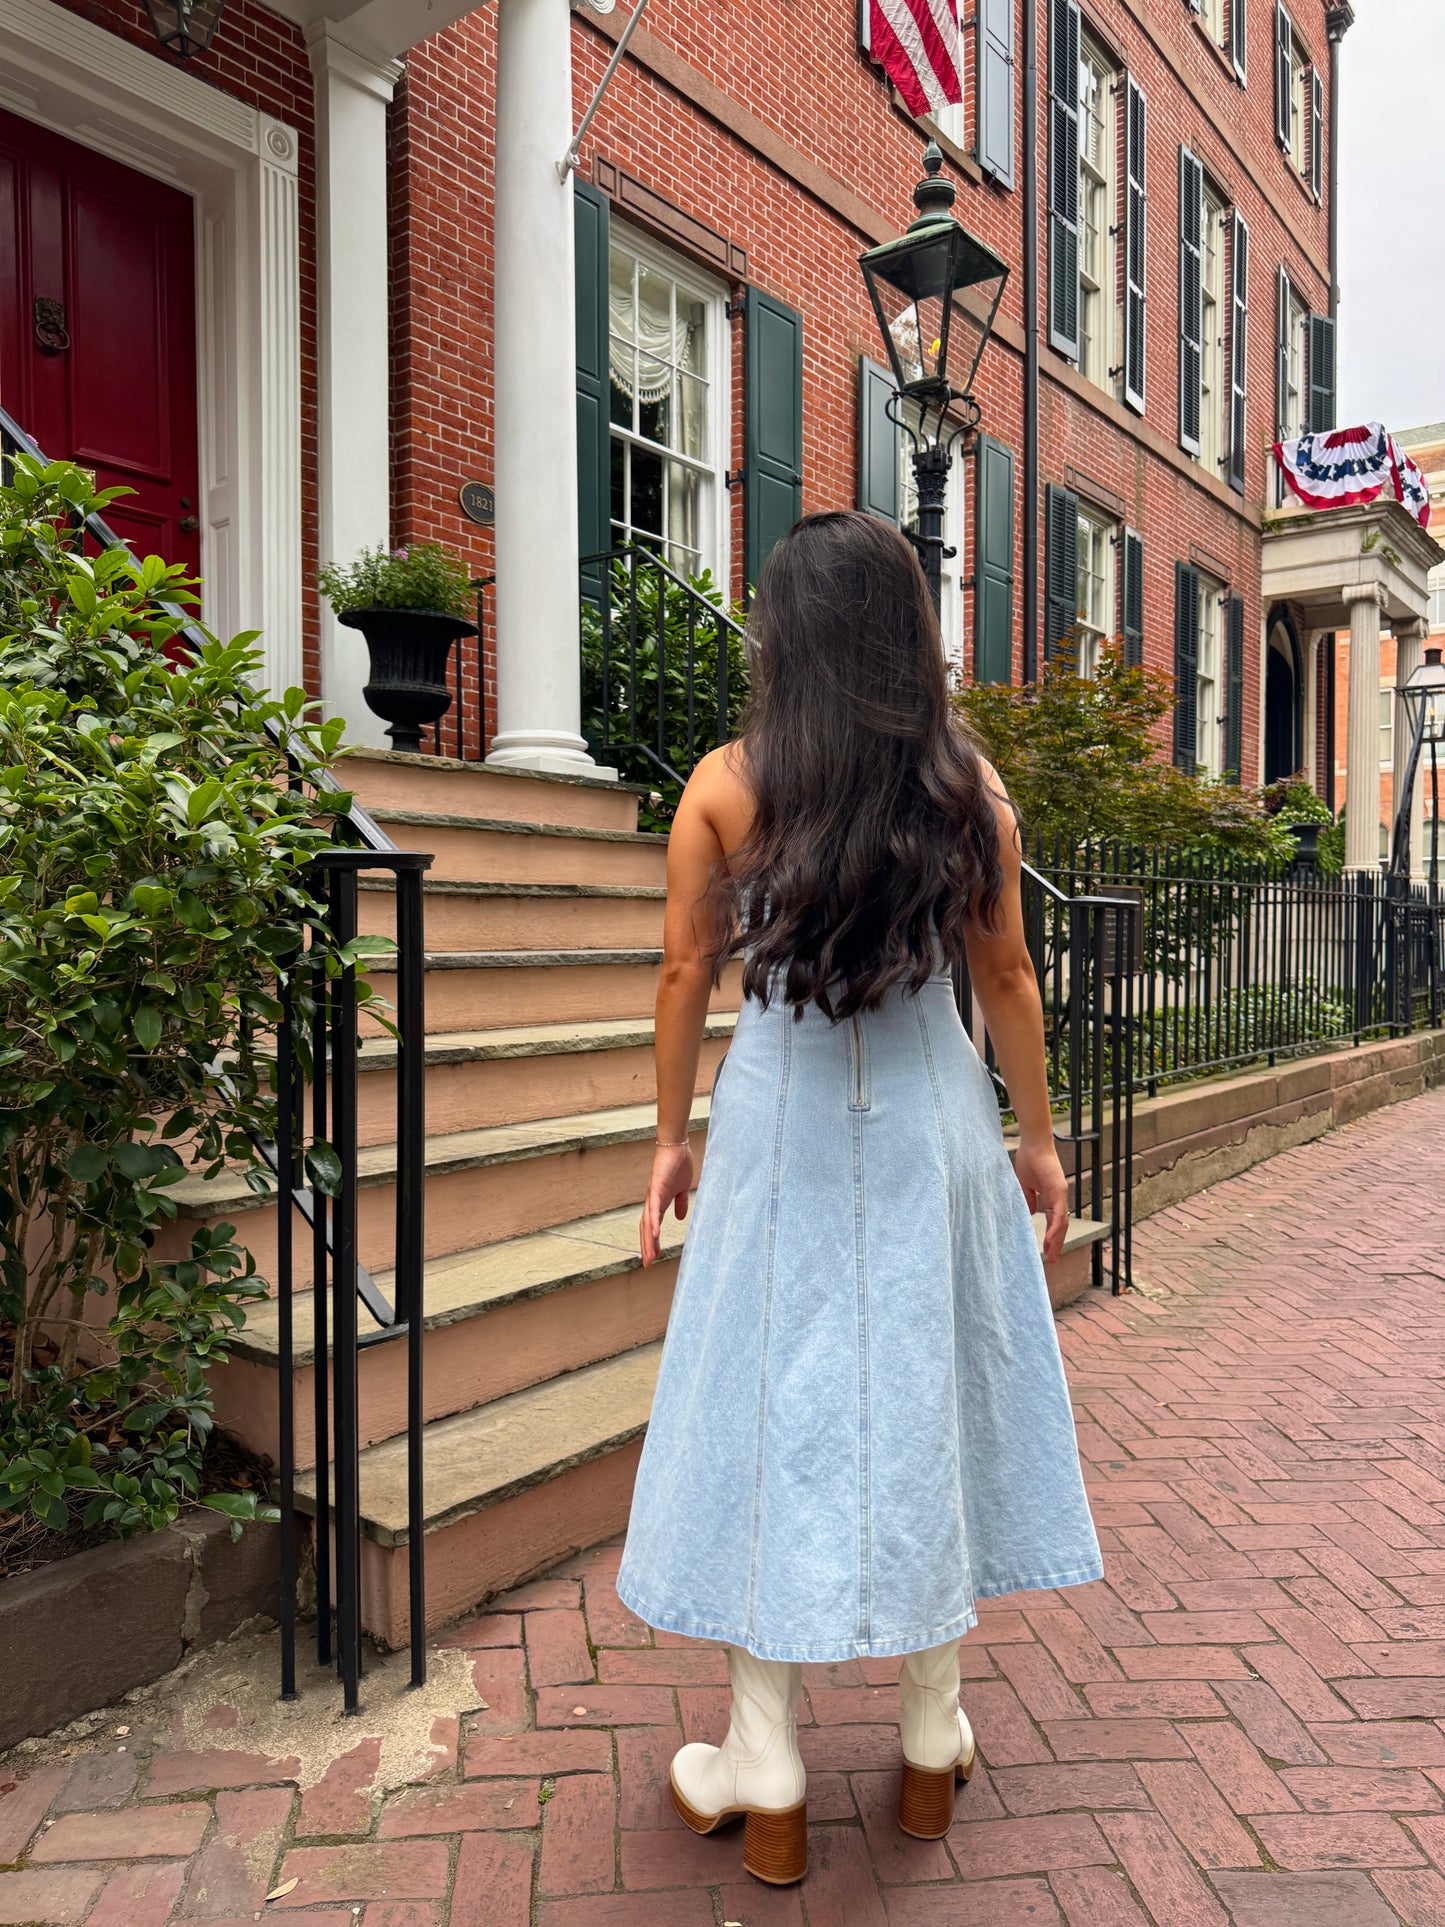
(1244,1723)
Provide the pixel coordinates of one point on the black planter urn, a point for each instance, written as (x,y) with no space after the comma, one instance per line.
(409,648)
(1306,844)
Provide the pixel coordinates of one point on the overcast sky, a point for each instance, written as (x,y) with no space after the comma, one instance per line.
(1392,263)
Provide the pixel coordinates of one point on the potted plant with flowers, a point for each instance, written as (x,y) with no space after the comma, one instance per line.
(411,605)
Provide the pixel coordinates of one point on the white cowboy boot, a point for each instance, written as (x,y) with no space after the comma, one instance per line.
(757,1771)
(937,1741)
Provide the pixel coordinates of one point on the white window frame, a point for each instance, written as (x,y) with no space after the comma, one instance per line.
(1299,106)
(1213,383)
(1387,725)
(1211,18)
(1297,350)
(714,524)
(1437,598)
(1097,211)
(1098,542)
(948,119)
(1209,679)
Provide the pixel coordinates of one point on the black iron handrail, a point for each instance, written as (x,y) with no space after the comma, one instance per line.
(654,701)
(334,1044)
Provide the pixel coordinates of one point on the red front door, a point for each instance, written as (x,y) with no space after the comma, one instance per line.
(98,329)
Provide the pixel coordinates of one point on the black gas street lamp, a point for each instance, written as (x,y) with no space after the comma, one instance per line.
(935,291)
(1423,698)
(185,27)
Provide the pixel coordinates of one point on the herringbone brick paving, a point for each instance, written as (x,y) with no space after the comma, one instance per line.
(1244,1722)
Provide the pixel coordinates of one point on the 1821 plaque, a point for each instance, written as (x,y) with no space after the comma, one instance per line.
(478,503)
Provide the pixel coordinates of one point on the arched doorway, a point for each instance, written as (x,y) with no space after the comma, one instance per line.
(1281,703)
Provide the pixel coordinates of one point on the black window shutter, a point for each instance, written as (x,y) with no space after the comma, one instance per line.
(594,453)
(1191,298)
(877,442)
(1321,373)
(993,576)
(1238,37)
(773,427)
(1186,667)
(1136,146)
(1064,176)
(1317,134)
(1131,598)
(1238,351)
(1233,686)
(1283,57)
(994,79)
(1061,566)
(1281,356)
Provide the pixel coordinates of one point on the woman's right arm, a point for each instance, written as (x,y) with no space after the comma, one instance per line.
(1007,990)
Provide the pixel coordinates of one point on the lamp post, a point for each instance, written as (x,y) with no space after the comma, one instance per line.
(935,291)
(1423,697)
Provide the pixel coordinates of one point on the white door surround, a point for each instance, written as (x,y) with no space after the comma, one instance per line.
(240,167)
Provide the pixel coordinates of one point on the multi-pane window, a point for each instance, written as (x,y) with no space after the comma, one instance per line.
(1387,725)
(1294,400)
(1211,18)
(1096,213)
(1212,396)
(1437,598)
(665,471)
(1096,588)
(950,598)
(1209,685)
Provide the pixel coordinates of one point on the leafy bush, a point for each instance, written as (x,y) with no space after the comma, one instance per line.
(608,735)
(425,576)
(153,883)
(1082,757)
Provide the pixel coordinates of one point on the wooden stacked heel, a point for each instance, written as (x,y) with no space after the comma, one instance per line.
(775,1845)
(925,1799)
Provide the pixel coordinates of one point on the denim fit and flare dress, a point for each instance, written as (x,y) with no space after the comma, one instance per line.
(861,1425)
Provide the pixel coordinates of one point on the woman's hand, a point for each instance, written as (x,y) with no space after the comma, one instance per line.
(1037,1168)
(671,1184)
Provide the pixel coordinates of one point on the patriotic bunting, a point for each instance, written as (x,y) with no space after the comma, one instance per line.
(1333,469)
(916,43)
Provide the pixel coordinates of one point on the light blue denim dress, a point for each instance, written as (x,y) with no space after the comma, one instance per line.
(861,1425)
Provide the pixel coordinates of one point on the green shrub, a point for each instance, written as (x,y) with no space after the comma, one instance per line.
(628,696)
(1083,757)
(425,576)
(153,882)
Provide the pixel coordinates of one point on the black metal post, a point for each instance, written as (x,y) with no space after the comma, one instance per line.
(288,1092)
(410,1235)
(345,1403)
(930,471)
(320,1320)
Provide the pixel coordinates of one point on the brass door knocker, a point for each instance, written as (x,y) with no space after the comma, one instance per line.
(52,337)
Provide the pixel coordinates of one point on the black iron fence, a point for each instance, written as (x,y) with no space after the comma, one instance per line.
(664,668)
(1242,962)
(316,1171)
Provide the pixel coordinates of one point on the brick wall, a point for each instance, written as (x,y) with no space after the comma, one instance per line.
(769,128)
(261,59)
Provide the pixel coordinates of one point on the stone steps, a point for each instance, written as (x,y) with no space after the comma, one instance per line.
(392,780)
(476,989)
(482,1186)
(504,850)
(461,914)
(510,1487)
(497,1319)
(523,1073)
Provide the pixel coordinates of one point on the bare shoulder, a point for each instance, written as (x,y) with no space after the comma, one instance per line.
(719,792)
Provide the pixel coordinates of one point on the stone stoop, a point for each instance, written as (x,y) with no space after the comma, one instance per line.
(542,1331)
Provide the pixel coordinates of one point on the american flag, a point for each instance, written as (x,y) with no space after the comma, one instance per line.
(916,43)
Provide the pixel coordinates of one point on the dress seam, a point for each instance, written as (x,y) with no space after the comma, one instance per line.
(785,1044)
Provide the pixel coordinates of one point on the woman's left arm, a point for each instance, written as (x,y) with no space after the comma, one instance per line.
(693,854)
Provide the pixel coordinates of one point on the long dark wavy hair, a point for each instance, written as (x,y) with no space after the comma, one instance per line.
(874,839)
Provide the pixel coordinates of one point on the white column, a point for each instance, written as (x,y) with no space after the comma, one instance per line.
(539,699)
(353,479)
(1409,654)
(1362,730)
(1309,695)
(271,385)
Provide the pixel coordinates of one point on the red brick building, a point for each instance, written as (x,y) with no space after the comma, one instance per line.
(322,198)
